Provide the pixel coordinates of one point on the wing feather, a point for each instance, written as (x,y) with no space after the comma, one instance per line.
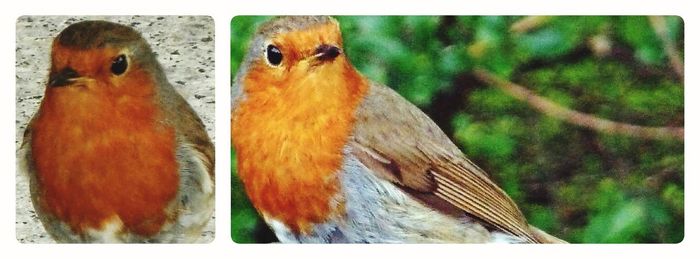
(412,152)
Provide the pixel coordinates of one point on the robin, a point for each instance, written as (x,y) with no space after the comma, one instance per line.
(327,155)
(114,153)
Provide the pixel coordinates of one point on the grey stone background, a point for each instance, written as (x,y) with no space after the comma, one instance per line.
(184,47)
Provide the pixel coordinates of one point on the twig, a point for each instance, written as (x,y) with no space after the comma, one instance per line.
(529,23)
(550,108)
(661,28)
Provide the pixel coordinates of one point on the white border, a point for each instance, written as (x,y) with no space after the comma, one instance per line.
(223,11)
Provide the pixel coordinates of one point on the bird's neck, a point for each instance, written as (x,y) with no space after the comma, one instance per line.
(289,144)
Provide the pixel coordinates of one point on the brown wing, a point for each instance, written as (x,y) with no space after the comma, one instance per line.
(189,125)
(411,151)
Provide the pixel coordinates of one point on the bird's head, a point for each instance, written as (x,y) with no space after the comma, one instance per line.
(101,57)
(298,53)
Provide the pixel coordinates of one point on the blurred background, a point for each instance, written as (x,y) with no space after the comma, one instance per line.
(579,119)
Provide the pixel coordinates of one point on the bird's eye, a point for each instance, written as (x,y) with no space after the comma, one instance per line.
(119,65)
(274,55)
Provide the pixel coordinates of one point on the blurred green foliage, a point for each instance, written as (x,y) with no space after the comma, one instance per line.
(580,185)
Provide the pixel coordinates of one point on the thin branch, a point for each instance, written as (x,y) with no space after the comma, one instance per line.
(529,23)
(661,28)
(550,108)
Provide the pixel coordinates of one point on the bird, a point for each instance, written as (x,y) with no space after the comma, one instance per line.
(326,155)
(114,153)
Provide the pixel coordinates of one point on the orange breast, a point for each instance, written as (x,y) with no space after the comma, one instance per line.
(289,139)
(98,155)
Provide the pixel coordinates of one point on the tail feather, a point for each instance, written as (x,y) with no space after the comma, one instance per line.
(545,238)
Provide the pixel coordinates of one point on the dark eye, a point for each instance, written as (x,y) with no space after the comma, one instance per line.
(119,65)
(274,55)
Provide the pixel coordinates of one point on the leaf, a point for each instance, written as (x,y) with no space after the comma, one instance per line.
(636,31)
(619,225)
(547,43)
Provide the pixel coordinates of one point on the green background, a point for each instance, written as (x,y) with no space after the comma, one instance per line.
(575,183)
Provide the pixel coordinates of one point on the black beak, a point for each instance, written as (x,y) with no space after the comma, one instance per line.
(327,52)
(63,77)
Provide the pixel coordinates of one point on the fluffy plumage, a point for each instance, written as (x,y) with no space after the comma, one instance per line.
(116,157)
(326,155)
